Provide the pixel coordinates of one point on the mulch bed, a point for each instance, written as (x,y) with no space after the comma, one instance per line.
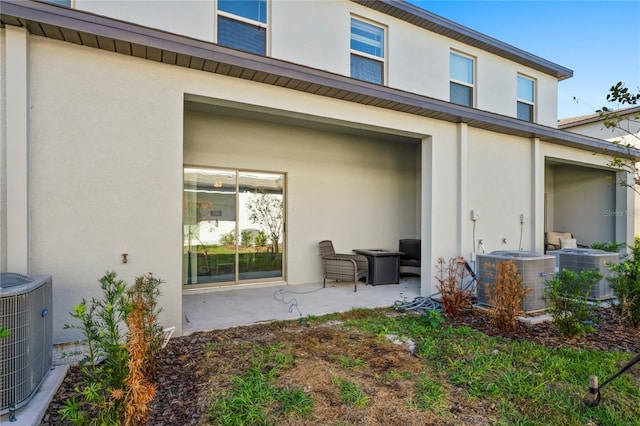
(611,333)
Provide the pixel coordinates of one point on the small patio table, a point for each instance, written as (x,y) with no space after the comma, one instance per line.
(383,265)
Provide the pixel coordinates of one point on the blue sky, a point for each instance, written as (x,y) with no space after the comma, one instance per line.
(598,40)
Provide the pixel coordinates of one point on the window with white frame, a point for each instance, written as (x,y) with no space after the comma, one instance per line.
(526,98)
(367,51)
(461,74)
(242,25)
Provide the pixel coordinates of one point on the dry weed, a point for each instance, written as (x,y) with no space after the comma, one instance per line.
(506,296)
(451,277)
(140,390)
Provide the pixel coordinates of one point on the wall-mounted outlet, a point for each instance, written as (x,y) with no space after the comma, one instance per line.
(472,257)
(524,218)
(475,215)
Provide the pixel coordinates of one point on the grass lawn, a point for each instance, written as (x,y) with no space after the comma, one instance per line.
(341,369)
(345,369)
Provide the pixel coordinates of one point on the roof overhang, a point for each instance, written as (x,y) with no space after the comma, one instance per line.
(430,21)
(83,28)
(623,113)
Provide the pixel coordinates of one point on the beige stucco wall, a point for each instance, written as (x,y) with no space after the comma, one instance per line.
(107,159)
(193,18)
(106,162)
(500,189)
(316,33)
(418,61)
(107,142)
(356,191)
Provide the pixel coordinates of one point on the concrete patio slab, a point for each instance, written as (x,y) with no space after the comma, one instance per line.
(234,306)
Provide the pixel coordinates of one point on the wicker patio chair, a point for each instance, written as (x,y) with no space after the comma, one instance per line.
(342,267)
(554,240)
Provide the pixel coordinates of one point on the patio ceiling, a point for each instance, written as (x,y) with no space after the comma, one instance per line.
(86,29)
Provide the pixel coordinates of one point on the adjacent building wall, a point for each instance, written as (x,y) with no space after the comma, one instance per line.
(628,132)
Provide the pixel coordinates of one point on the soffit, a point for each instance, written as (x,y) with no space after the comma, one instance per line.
(86,29)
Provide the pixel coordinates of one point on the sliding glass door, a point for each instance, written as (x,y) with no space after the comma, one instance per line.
(233,226)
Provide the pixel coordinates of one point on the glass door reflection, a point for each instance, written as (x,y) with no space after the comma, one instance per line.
(209,226)
(233,226)
(261,220)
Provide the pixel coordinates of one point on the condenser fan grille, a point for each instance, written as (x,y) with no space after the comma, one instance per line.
(25,353)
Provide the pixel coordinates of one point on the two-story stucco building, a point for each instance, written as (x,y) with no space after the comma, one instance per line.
(149,128)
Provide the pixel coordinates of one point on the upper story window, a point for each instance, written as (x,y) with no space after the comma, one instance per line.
(367,51)
(526,99)
(66,3)
(461,71)
(243,25)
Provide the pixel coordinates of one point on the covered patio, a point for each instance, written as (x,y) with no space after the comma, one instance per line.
(227,307)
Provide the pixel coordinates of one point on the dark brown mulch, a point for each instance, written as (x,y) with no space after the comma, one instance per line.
(190,366)
(611,333)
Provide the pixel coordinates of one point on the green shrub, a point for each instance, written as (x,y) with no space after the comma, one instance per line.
(567,296)
(261,239)
(228,239)
(608,246)
(625,283)
(433,318)
(246,237)
(106,364)
(104,397)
